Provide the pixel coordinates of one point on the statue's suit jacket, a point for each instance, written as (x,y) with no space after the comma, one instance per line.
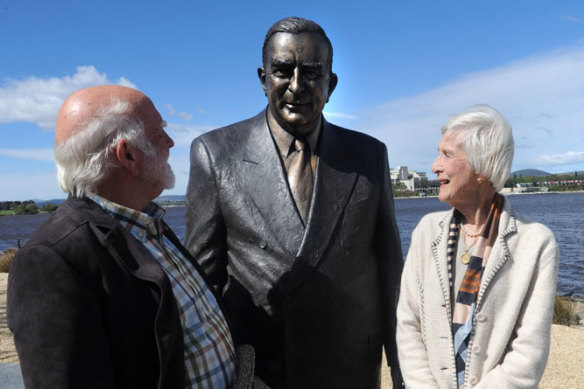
(91,308)
(317,303)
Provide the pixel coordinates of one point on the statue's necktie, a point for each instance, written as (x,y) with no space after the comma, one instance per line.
(300,177)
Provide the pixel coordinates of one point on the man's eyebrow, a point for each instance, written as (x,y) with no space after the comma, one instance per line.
(281,62)
(311,65)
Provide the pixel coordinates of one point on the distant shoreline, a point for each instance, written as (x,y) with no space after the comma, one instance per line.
(177,203)
(504,194)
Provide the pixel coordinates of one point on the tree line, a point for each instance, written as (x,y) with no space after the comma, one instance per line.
(555,182)
(28,207)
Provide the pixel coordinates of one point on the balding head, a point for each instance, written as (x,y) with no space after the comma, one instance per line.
(84,105)
(109,140)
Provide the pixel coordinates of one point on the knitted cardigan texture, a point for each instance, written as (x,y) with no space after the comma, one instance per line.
(509,343)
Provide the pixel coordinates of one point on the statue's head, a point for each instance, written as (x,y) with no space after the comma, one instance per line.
(297,75)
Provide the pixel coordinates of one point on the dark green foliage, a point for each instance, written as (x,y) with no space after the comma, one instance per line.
(26,208)
(9,205)
(49,207)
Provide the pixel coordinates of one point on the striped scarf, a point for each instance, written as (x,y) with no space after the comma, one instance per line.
(466,299)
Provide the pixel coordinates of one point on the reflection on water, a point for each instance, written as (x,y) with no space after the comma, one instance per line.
(562,213)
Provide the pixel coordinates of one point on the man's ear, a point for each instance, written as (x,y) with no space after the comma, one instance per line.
(333,80)
(127,157)
(262,76)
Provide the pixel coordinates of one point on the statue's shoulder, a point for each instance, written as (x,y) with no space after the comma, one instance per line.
(256,121)
(230,138)
(354,137)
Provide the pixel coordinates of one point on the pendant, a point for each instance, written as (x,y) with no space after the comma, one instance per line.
(465,259)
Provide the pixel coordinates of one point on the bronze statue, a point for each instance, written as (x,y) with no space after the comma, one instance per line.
(292,218)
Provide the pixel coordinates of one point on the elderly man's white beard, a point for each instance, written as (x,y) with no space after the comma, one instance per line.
(168,177)
(161,171)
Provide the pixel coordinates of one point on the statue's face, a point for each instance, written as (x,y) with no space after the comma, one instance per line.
(297,80)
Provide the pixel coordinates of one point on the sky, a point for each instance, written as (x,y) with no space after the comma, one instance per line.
(404,68)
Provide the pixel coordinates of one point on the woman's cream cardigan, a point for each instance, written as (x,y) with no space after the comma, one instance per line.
(509,343)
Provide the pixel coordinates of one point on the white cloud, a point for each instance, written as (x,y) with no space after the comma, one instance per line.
(572,19)
(183,135)
(123,81)
(541,96)
(37,100)
(567,158)
(173,112)
(339,115)
(36,154)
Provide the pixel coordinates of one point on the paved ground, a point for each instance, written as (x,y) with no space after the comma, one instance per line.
(10,376)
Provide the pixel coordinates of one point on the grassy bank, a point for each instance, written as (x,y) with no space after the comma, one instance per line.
(6,258)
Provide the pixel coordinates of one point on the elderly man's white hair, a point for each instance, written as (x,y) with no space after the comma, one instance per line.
(84,159)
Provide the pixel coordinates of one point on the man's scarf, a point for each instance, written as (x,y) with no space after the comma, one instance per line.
(466,299)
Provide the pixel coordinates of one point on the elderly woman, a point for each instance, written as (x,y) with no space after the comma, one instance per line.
(478,286)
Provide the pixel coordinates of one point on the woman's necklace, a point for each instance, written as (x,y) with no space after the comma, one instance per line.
(470,235)
(465,258)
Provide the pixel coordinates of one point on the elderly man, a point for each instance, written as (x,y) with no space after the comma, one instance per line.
(292,218)
(103,295)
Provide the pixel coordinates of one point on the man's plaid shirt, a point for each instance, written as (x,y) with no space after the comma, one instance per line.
(209,351)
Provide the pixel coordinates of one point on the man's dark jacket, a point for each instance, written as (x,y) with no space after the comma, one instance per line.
(91,308)
(316,304)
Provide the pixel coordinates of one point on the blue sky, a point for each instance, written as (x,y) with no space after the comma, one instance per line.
(404,68)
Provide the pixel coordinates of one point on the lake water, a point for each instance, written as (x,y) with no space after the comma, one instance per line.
(562,213)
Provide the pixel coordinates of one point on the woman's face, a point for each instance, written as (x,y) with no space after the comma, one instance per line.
(458,184)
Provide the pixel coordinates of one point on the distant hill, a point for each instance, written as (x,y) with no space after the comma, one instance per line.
(541,173)
(40,203)
(529,173)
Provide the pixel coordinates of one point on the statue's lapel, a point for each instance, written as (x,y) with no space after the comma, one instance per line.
(263,178)
(334,183)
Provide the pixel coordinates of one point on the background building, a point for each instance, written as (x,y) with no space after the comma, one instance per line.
(411,180)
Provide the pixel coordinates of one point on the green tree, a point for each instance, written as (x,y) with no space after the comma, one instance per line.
(49,207)
(399,186)
(26,208)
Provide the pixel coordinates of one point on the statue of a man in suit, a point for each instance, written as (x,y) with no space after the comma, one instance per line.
(292,218)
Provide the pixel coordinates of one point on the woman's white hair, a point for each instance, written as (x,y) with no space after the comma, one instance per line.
(84,159)
(487,138)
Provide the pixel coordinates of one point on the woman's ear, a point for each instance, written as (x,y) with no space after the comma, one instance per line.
(127,156)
